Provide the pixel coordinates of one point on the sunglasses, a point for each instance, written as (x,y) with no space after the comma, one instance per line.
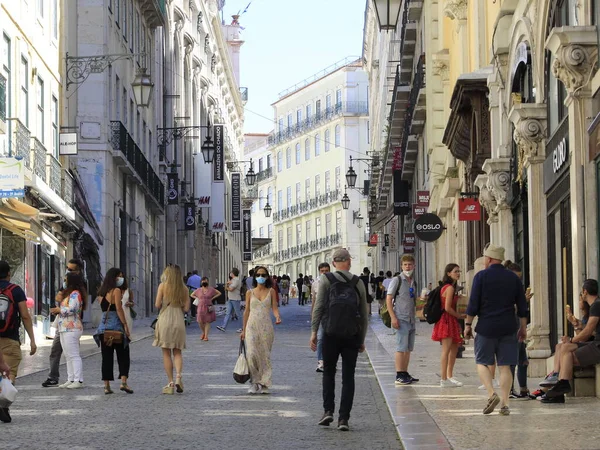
(262,274)
(412,292)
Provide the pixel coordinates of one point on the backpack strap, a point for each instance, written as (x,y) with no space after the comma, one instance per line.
(9,288)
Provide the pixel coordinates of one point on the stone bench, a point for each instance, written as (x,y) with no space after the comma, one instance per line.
(585,381)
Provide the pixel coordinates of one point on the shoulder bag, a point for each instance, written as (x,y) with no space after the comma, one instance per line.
(111,337)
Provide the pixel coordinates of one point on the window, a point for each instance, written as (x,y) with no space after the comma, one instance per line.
(260,165)
(261,199)
(124,104)
(280,239)
(328,224)
(317,185)
(308,231)
(118,91)
(261,232)
(337,135)
(289,120)
(338,221)
(55,136)
(268,162)
(327,138)
(318,108)
(288,158)
(289,237)
(307,189)
(318,228)
(281,125)
(317,145)
(270,196)
(298,234)
(298,153)
(289,196)
(308,111)
(24,100)
(253,209)
(299,117)
(307,149)
(55,19)
(279,161)
(5,84)
(327,181)
(280,200)
(368,131)
(338,177)
(298,193)
(270,231)
(40,8)
(338,99)
(328,103)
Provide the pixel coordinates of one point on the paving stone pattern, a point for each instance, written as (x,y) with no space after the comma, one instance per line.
(214,412)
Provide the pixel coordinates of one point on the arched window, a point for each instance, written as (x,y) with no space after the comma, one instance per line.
(327,138)
(338,137)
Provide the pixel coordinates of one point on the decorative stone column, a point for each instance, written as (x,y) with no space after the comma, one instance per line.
(575,51)
(529,120)
(457,10)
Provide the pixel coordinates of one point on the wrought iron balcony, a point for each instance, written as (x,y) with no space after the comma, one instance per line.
(20,144)
(133,156)
(38,156)
(67,187)
(263,251)
(53,175)
(306,206)
(264,174)
(308,248)
(318,119)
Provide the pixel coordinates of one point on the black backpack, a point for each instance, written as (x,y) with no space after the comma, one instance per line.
(433,309)
(343,319)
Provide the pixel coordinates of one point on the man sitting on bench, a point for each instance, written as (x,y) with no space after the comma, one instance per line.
(577,351)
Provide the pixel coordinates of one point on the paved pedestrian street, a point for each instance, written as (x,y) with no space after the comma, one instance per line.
(214,412)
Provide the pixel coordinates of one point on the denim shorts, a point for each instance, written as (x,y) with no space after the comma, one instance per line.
(503,350)
(405,336)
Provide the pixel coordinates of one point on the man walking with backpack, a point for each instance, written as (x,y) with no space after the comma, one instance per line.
(341,308)
(401,304)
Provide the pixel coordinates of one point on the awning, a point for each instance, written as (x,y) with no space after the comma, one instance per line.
(16,217)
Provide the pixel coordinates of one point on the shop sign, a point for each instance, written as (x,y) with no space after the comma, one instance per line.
(429,227)
(373,240)
(409,249)
(190,216)
(219,156)
(594,141)
(67,144)
(394,234)
(12,178)
(386,240)
(418,211)
(172,189)
(423,198)
(557,159)
(236,202)
(246,235)
(469,209)
(401,205)
(409,239)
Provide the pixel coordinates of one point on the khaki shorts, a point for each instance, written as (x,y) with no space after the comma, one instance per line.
(11,350)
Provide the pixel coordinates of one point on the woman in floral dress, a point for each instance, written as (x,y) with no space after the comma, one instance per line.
(258,332)
(206,311)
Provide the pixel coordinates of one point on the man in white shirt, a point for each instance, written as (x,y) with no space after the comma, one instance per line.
(386,282)
(323,268)
(234,298)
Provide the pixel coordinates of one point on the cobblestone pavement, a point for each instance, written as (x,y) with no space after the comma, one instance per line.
(429,417)
(213,412)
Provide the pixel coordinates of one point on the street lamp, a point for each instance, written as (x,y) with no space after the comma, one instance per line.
(351,177)
(267,209)
(142,87)
(250,175)
(345,200)
(387,12)
(208,150)
(357,218)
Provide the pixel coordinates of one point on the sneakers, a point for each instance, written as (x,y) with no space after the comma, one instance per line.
(403,380)
(326,419)
(521,395)
(412,379)
(75,385)
(263,389)
(320,366)
(560,388)
(253,389)
(495,385)
(50,383)
(447,384)
(455,382)
(343,425)
(550,380)
(491,404)
(505,411)
(66,385)
(220,328)
(238,331)
(559,399)
(537,395)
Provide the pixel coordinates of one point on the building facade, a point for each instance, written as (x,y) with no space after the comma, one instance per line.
(319,126)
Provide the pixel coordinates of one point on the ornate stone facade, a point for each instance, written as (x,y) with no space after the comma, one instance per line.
(529,120)
(456,9)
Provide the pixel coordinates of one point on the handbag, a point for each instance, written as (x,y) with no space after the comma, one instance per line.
(196,302)
(8,393)
(111,337)
(241,371)
(153,324)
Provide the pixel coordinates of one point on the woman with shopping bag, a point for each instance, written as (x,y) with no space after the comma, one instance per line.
(7,391)
(204,297)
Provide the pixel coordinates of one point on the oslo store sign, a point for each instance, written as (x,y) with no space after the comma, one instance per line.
(429,227)
(557,159)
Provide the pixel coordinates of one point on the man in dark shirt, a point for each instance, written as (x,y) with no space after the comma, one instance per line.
(366,281)
(494,294)
(579,351)
(299,284)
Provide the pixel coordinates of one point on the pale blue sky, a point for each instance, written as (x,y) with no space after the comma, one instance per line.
(288,41)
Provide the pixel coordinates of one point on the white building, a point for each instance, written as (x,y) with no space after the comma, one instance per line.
(321,123)
(38,229)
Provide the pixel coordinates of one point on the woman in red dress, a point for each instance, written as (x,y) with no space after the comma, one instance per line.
(447,329)
(206,311)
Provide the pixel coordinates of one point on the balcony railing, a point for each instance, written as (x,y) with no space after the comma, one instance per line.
(264,174)
(123,142)
(418,83)
(53,175)
(38,155)
(308,247)
(20,147)
(2,99)
(318,119)
(306,206)
(263,252)
(67,187)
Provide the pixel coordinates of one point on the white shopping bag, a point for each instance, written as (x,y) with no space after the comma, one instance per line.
(241,372)
(8,393)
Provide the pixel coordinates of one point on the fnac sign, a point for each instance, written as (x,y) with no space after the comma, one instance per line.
(469,209)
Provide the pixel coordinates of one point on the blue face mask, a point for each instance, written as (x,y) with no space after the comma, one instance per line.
(261,280)
(120,281)
(64,284)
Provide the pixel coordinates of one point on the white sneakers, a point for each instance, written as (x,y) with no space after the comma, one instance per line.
(65,385)
(450,383)
(495,385)
(254,389)
(72,385)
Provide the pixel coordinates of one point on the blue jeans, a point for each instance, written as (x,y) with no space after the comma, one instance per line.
(235,304)
(320,344)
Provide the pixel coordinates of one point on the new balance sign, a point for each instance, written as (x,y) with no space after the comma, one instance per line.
(469,209)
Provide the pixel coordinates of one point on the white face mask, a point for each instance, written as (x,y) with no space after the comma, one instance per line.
(408,273)
(120,281)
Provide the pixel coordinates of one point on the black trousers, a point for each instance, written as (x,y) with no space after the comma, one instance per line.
(108,361)
(332,349)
